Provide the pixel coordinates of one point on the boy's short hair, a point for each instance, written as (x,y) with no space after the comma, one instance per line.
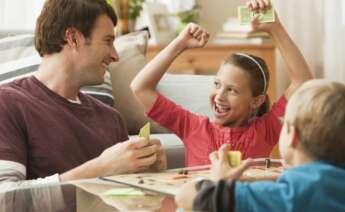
(59,15)
(317,110)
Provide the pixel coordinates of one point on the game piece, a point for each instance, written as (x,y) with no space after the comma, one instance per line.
(180,176)
(234,158)
(267,163)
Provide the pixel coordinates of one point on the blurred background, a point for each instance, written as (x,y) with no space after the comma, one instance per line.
(317,26)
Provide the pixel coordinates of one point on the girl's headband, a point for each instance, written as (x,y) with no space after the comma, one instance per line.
(260,67)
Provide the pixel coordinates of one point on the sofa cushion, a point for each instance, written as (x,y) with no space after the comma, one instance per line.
(18,58)
(190,91)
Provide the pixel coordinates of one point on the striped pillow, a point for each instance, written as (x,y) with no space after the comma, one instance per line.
(18,58)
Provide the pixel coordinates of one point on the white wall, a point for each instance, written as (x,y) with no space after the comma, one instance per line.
(215,12)
(19,14)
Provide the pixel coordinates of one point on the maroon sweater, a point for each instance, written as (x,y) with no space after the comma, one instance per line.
(48,134)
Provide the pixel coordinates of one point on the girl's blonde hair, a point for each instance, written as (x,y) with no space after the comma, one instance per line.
(317,110)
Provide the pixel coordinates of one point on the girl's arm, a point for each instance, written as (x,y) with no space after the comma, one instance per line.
(144,84)
(297,67)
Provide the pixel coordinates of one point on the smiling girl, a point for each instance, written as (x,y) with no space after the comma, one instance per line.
(239,102)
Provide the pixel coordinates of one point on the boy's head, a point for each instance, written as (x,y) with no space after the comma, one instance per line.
(58,16)
(240,90)
(315,122)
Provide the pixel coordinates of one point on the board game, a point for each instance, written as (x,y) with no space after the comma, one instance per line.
(169,182)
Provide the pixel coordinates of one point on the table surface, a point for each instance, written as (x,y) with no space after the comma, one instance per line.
(83,195)
(89,195)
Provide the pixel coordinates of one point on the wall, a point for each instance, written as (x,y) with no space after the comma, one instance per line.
(18,15)
(215,12)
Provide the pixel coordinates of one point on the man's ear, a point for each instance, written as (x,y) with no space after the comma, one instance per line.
(72,37)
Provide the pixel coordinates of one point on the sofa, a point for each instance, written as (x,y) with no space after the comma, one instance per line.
(18,58)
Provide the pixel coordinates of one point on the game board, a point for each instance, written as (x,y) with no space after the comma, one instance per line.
(170,181)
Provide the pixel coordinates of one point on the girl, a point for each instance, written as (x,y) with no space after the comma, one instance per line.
(238,100)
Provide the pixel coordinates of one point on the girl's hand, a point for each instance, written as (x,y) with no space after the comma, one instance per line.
(193,36)
(262,5)
(221,168)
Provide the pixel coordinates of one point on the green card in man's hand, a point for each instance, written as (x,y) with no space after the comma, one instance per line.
(245,15)
(145,131)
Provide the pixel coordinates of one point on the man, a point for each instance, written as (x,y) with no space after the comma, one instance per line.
(49,131)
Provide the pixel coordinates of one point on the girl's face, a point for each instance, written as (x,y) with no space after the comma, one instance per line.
(231,98)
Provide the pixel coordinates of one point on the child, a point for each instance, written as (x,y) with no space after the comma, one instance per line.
(312,141)
(238,100)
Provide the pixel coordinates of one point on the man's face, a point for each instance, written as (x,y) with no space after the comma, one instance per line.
(97,52)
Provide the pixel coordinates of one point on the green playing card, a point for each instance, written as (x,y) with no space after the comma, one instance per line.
(145,131)
(245,15)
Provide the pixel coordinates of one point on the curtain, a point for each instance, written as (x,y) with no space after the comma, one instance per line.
(304,21)
(334,48)
(318,28)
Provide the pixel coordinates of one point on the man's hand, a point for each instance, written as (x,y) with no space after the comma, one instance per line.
(131,156)
(262,5)
(221,168)
(193,36)
(161,162)
(134,155)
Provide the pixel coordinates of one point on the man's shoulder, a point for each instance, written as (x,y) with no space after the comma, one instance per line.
(13,90)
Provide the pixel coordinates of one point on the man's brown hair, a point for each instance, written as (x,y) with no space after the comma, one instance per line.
(59,15)
(317,110)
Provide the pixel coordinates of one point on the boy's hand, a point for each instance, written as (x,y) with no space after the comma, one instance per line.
(221,168)
(262,5)
(193,36)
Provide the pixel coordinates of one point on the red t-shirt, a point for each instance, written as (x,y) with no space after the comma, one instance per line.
(48,134)
(201,137)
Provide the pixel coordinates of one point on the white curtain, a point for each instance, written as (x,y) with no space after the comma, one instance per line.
(305,23)
(335,40)
(318,28)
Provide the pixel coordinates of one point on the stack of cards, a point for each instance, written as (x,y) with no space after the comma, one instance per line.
(245,15)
